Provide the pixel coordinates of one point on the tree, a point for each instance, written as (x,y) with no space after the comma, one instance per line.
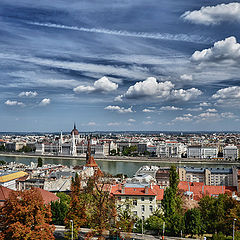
(172,205)
(59,211)
(25,217)
(193,222)
(77,209)
(40,162)
(155,222)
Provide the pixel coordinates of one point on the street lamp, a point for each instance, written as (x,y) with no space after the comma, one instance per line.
(163,230)
(71,221)
(234,226)
(142,223)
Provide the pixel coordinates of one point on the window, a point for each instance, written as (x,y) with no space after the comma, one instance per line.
(159,205)
(135,202)
(135,213)
(150,199)
(119,198)
(151,208)
(143,208)
(127,198)
(142,198)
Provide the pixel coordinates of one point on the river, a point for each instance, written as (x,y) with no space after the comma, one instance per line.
(112,167)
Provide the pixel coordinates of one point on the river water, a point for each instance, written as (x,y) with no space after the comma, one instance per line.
(112,167)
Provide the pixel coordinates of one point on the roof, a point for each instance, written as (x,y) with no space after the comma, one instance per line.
(4,194)
(9,176)
(47,196)
(138,191)
(200,190)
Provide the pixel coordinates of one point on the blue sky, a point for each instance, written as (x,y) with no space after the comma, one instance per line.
(119,65)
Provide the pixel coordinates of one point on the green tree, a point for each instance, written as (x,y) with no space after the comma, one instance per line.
(193,222)
(59,210)
(172,205)
(40,162)
(155,222)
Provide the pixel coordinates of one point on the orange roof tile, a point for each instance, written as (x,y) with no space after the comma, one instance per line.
(47,196)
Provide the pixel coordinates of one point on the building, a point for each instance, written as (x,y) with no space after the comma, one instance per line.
(8,178)
(230,152)
(194,151)
(209,176)
(162,177)
(145,199)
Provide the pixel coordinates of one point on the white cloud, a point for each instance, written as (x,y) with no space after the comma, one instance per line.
(212,15)
(187,115)
(227,51)
(103,85)
(13,103)
(28,94)
(118,98)
(195,109)
(170,108)
(45,102)
(91,124)
(211,110)
(131,120)
(186,95)
(208,116)
(146,110)
(148,122)
(183,119)
(149,88)
(119,109)
(186,77)
(226,93)
(113,124)
(204,104)
(228,115)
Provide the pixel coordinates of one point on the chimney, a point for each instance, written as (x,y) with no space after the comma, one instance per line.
(123,189)
(146,189)
(119,187)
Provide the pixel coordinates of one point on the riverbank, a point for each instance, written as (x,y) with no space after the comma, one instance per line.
(125,159)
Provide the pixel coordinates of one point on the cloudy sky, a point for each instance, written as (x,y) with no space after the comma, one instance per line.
(119,65)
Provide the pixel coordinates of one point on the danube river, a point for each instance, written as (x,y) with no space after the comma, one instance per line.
(108,166)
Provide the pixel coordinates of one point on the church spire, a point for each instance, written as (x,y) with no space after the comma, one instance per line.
(88,156)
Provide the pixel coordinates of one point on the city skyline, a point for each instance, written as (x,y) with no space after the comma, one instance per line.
(119,65)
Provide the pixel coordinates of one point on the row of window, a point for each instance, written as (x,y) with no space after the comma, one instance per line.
(135,200)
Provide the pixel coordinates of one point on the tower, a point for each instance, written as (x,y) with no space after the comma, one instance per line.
(60,143)
(73,146)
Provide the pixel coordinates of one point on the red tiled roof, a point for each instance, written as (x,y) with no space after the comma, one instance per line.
(47,196)
(4,194)
(199,189)
(132,191)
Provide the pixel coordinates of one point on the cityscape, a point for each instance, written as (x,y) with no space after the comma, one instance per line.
(119,120)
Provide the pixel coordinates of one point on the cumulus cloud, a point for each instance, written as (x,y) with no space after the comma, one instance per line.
(204,104)
(170,108)
(226,93)
(208,116)
(147,110)
(113,124)
(131,120)
(149,87)
(45,102)
(91,124)
(118,98)
(195,109)
(152,89)
(14,103)
(228,115)
(212,15)
(186,77)
(211,110)
(102,85)
(225,51)
(148,122)
(28,94)
(186,95)
(183,119)
(119,109)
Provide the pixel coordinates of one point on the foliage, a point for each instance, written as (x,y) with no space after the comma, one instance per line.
(77,209)
(128,151)
(155,222)
(193,222)
(113,152)
(40,162)
(2,148)
(25,217)
(27,149)
(2,162)
(172,205)
(59,211)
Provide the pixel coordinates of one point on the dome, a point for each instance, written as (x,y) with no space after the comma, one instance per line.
(74,131)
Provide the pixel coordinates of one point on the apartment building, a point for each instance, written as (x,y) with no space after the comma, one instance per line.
(145,199)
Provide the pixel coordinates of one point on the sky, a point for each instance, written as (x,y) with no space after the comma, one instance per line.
(119,65)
